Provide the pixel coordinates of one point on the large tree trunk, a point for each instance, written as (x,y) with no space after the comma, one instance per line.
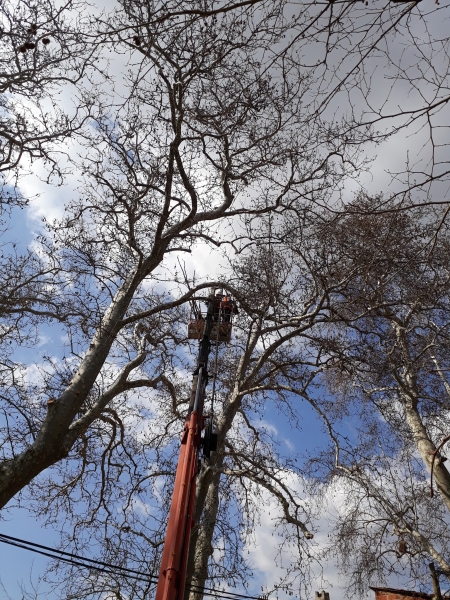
(410,400)
(426,448)
(50,443)
(201,548)
(207,494)
(207,503)
(206,507)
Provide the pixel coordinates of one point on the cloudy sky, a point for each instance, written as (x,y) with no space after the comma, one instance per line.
(48,201)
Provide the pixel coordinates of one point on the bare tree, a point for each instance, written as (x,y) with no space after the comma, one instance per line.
(391,376)
(160,175)
(271,363)
(44,50)
(286,302)
(220,120)
(316,318)
(211,106)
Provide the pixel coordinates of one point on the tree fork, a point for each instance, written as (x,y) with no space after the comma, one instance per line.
(48,446)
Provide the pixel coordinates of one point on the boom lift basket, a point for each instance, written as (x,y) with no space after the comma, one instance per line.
(196,327)
(222,324)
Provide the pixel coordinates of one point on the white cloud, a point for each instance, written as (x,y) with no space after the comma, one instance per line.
(289,444)
(265,426)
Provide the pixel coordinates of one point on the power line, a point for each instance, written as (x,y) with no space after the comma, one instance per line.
(111,569)
(71,554)
(104,567)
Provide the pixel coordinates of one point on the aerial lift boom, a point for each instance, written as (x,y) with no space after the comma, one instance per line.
(172,575)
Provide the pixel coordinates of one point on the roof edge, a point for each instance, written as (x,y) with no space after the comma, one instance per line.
(409,593)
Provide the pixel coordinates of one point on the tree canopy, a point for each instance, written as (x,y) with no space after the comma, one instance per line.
(228,145)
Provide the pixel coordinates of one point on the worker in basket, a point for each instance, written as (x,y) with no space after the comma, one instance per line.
(228,307)
(218,298)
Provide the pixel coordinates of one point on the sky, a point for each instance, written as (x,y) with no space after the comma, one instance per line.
(17,565)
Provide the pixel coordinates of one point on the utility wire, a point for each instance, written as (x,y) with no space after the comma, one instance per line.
(91,560)
(104,567)
(111,570)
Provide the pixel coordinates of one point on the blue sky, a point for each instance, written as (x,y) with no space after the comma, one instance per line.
(15,564)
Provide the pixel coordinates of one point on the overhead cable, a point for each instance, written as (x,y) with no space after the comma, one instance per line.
(104,567)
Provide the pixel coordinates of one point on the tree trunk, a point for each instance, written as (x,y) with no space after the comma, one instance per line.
(426,448)
(201,541)
(49,445)
(207,494)
(410,398)
(206,506)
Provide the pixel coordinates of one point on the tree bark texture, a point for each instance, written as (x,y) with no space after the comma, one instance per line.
(50,444)
(422,440)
